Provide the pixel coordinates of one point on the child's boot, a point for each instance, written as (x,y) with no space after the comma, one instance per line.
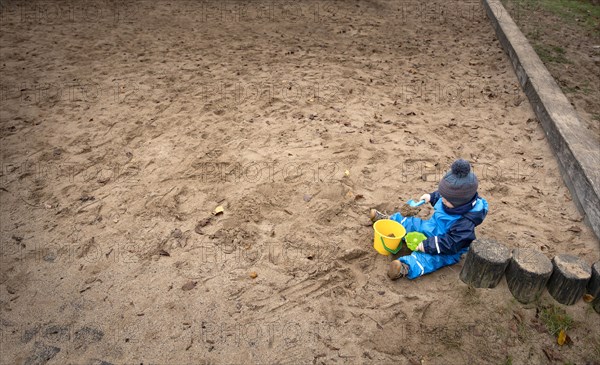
(376,215)
(397,270)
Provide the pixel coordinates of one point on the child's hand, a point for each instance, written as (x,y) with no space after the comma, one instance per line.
(425,197)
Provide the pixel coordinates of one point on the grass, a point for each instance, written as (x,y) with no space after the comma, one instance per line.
(574,90)
(451,338)
(522,332)
(581,12)
(535,34)
(548,54)
(556,319)
(574,11)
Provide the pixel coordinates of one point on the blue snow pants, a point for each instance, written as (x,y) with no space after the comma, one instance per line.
(421,263)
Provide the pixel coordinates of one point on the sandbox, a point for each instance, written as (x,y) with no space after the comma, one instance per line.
(124,128)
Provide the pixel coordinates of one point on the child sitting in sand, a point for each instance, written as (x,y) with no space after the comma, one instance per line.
(458,209)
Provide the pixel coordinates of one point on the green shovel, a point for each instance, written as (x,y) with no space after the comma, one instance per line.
(413,239)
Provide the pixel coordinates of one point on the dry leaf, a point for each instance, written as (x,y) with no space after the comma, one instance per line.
(588,298)
(562,337)
(551,355)
(189,285)
(202,223)
(164,253)
(176,233)
(219,210)
(253,274)
(518,317)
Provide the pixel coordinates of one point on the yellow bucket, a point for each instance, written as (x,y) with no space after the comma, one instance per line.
(383,242)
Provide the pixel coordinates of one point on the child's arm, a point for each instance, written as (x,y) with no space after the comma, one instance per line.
(434,197)
(459,236)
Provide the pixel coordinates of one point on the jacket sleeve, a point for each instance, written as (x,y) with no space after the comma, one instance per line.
(459,236)
(435,196)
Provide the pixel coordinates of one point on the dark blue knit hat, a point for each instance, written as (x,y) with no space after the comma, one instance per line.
(459,185)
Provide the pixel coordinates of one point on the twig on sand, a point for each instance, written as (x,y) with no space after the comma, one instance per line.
(425,308)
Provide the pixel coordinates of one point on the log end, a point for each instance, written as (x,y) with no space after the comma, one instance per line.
(572,267)
(532,261)
(569,279)
(593,287)
(491,251)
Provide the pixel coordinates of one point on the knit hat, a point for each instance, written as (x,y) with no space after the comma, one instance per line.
(459,185)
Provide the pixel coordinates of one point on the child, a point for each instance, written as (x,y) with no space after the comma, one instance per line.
(458,209)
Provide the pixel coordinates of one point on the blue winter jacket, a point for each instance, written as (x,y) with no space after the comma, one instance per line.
(449,230)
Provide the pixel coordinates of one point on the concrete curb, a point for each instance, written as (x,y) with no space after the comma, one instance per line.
(577,151)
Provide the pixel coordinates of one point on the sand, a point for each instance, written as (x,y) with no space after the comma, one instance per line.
(122,132)
(408,211)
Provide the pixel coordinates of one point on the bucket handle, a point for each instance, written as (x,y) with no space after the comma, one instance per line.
(389,249)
